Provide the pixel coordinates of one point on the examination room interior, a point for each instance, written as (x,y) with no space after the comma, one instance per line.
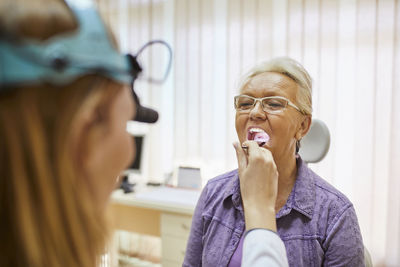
(351,48)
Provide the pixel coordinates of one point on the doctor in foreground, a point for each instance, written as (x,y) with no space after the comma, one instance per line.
(65,99)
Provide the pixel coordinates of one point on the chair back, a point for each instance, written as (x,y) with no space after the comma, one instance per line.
(315,144)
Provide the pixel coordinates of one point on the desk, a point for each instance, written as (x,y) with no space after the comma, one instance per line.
(164,212)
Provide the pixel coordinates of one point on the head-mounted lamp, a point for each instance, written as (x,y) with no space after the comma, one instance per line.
(65,57)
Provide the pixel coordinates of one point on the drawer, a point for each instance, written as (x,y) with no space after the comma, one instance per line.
(173,248)
(175,225)
(169,263)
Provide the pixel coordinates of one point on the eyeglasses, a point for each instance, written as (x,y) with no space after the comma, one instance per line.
(270,104)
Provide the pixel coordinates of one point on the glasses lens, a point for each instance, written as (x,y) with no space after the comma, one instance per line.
(274,104)
(244,102)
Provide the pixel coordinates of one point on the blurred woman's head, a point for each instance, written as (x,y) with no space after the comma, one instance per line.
(61,150)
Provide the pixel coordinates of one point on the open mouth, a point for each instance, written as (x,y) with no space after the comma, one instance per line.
(258,135)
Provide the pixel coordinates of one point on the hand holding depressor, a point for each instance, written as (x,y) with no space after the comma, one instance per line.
(258,177)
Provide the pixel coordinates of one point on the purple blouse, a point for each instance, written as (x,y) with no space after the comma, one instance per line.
(318,224)
(236,259)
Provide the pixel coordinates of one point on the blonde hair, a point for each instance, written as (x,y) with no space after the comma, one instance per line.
(49,215)
(292,69)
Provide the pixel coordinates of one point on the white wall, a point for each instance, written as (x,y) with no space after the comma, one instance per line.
(351,49)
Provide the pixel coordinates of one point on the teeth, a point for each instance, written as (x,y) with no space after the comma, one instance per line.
(256,130)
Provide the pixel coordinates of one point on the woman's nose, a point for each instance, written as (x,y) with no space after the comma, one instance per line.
(257,112)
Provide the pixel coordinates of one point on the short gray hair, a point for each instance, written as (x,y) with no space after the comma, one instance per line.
(292,69)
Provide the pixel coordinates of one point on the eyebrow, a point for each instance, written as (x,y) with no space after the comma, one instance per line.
(270,93)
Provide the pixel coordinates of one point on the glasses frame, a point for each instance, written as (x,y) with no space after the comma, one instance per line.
(288,103)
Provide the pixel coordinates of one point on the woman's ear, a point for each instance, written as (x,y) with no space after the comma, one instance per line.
(304,127)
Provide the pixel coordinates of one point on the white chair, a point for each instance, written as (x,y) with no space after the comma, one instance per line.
(315,144)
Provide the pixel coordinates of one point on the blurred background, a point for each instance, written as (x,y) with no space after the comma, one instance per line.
(351,48)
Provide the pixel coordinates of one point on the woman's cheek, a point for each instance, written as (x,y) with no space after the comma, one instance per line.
(240,124)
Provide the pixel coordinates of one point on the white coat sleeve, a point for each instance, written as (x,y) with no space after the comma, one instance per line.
(262,247)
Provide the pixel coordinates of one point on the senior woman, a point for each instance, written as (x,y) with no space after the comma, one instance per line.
(316,222)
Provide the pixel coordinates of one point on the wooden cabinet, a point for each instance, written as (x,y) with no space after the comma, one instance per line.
(169,263)
(164,212)
(175,230)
